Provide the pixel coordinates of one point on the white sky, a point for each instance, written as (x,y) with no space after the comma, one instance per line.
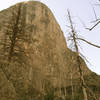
(81,11)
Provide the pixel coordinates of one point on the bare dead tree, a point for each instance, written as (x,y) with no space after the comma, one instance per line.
(78,59)
(74,37)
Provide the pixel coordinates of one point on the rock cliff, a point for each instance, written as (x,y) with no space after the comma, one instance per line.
(35,59)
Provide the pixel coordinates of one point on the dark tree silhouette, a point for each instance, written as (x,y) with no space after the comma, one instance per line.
(15,37)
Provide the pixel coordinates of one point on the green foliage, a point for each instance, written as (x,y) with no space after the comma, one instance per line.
(49,96)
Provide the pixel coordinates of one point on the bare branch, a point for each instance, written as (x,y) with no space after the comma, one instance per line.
(88,42)
(93,26)
(95,13)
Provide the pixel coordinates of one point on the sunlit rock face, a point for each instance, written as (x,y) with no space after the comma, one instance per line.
(41,61)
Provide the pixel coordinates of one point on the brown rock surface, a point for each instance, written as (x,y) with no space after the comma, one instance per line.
(45,62)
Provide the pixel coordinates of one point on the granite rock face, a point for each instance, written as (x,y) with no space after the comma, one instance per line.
(40,60)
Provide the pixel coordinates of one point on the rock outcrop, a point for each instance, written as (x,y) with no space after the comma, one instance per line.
(39,61)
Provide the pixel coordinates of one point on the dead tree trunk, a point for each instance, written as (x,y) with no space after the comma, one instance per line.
(72,85)
(78,59)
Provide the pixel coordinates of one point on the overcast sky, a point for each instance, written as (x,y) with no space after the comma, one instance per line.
(82,16)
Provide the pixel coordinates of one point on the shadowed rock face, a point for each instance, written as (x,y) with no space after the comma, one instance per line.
(40,60)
